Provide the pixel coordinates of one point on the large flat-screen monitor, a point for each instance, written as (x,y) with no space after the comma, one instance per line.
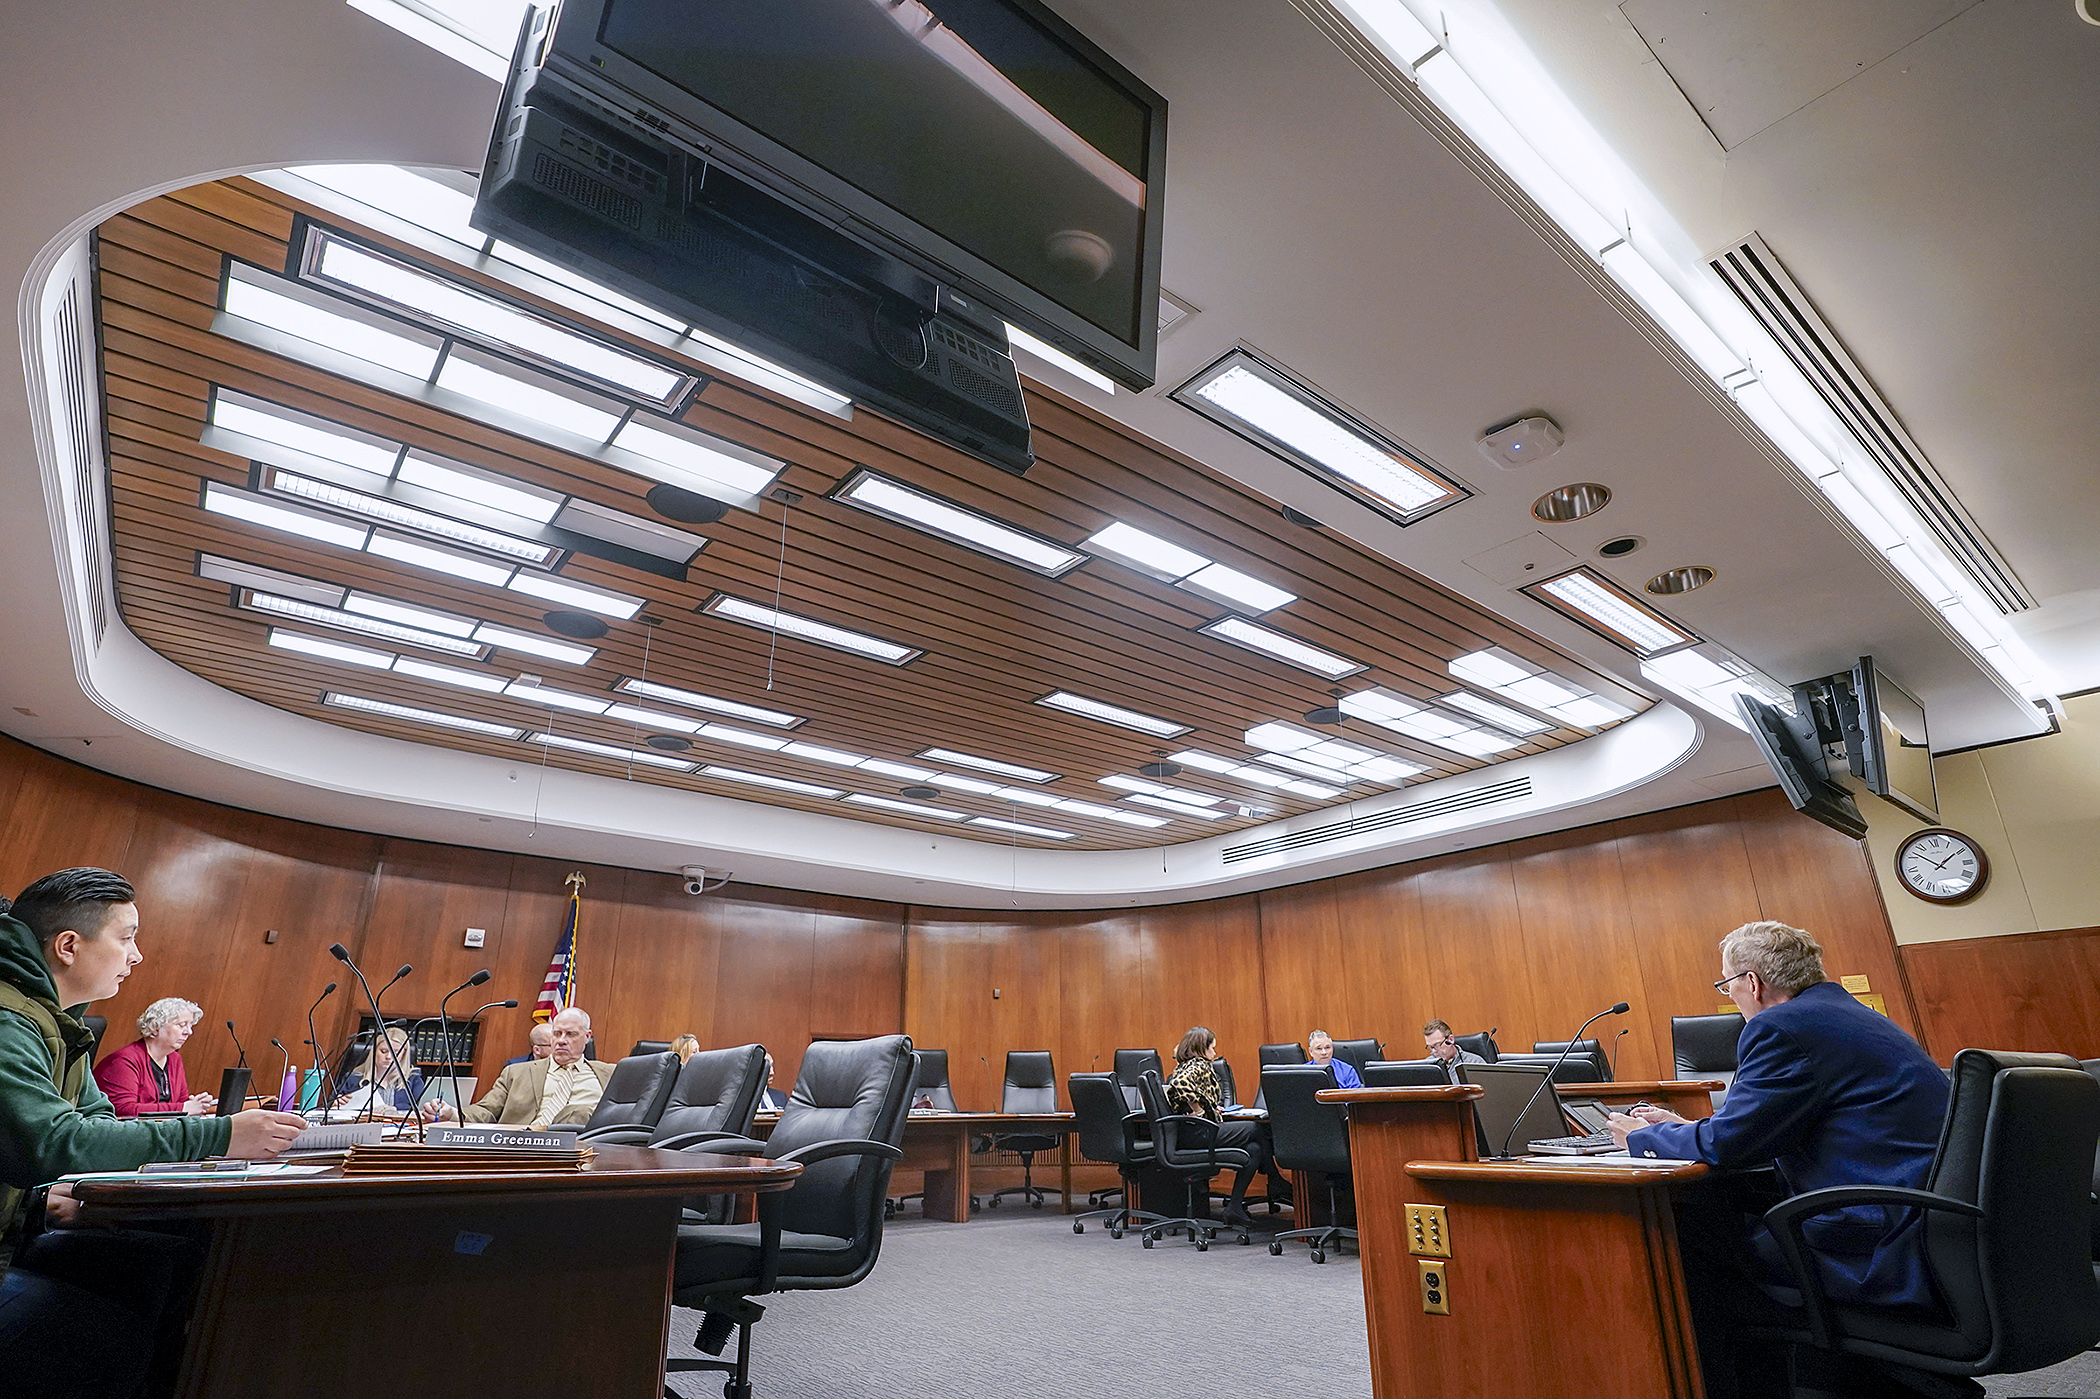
(1895,753)
(1512,1108)
(1791,747)
(985,142)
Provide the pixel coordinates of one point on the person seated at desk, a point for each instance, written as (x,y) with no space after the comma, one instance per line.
(561,1090)
(1834,1094)
(1194,1090)
(72,939)
(685,1047)
(540,1043)
(391,1087)
(1444,1049)
(147,1074)
(1319,1046)
(771,1099)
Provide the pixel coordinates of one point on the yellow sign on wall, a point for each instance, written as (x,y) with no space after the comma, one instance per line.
(1857,985)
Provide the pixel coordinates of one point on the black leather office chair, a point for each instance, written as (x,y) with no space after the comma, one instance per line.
(1357,1053)
(1031,1086)
(1576,1068)
(1131,1065)
(649,1047)
(1312,1136)
(843,1123)
(636,1093)
(1292,1053)
(1110,1132)
(97,1026)
(1481,1043)
(712,1099)
(2092,1067)
(930,1087)
(2007,1218)
(1589,1052)
(1399,1073)
(1704,1046)
(1187,1146)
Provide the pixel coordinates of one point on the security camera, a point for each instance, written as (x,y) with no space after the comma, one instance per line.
(701,880)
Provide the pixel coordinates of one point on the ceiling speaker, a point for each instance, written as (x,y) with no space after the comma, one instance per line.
(684,506)
(578,626)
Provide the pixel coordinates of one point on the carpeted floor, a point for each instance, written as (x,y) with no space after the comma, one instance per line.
(1013,1304)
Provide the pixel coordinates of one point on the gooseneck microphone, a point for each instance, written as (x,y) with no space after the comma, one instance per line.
(1615,1052)
(314,1039)
(283,1074)
(445,1026)
(1620,1009)
(342,954)
(237,1045)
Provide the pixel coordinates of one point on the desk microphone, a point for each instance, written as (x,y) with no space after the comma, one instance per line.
(237,1045)
(1615,1052)
(1620,1009)
(286,1073)
(342,954)
(314,1039)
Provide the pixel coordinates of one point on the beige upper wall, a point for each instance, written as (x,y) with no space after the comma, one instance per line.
(2034,807)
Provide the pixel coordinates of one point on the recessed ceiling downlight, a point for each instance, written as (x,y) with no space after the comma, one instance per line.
(1575,502)
(1680,580)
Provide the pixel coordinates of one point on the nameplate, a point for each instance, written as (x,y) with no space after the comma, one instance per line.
(500,1137)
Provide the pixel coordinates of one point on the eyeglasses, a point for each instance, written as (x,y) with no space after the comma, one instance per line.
(1722,984)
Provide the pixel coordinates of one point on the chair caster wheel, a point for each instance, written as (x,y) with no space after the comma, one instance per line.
(732,1390)
(1035,1204)
(1203,1245)
(995,1202)
(1245,1240)
(1115,1233)
(1318,1257)
(1079,1228)
(1148,1241)
(1275,1250)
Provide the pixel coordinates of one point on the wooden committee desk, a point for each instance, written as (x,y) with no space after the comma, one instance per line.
(326,1285)
(938,1144)
(1561,1278)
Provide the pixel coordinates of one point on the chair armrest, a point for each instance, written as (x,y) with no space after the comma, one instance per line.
(844,1146)
(721,1143)
(772,1204)
(1786,1218)
(620,1133)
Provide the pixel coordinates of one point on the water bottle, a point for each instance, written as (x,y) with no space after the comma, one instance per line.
(310,1095)
(288,1091)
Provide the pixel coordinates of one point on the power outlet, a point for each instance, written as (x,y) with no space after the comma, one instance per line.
(1428,1231)
(1436,1287)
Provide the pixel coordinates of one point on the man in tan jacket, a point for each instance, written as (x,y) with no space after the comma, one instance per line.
(561,1090)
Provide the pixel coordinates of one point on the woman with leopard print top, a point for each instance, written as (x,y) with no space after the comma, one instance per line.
(1194,1091)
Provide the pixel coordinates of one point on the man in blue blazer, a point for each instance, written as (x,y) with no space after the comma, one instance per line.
(1830,1092)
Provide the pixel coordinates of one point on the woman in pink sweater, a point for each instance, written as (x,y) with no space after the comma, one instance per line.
(146,1075)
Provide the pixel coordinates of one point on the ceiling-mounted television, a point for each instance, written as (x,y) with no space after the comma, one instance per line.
(1891,750)
(1794,751)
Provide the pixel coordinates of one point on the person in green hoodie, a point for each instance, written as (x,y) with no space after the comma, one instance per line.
(69,939)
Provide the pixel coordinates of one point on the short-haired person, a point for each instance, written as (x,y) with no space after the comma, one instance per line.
(1444,1048)
(771,1099)
(1319,1049)
(561,1090)
(1194,1090)
(71,939)
(147,1074)
(391,1086)
(539,1043)
(685,1047)
(1833,1094)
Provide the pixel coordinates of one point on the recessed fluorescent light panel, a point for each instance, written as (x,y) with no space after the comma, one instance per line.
(1711,677)
(903,772)
(419,716)
(1049,354)
(471,567)
(1512,677)
(533,692)
(1020,828)
(753,614)
(391,512)
(1196,813)
(662,450)
(537,398)
(287,437)
(652,719)
(1241,632)
(742,738)
(1272,409)
(778,784)
(505,639)
(1433,726)
(404,194)
(386,608)
(268,580)
(569,593)
(907,505)
(449,675)
(937,813)
(330,650)
(992,765)
(645,756)
(1113,714)
(713,704)
(328,322)
(276,606)
(1109,813)
(1500,715)
(1609,610)
(478,487)
(1170,563)
(238,504)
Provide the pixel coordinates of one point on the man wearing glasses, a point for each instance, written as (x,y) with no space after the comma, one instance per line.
(1830,1092)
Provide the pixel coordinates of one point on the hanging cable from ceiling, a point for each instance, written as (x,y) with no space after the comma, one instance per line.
(788,500)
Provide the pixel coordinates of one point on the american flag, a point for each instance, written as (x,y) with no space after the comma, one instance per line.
(558,991)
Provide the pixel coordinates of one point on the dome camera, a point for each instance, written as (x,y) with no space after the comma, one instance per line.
(701,880)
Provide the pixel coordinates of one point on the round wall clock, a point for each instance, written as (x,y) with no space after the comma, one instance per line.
(1942,866)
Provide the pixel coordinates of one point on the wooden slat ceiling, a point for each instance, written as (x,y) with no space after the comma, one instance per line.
(995,636)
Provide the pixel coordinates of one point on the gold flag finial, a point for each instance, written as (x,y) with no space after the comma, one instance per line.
(576,878)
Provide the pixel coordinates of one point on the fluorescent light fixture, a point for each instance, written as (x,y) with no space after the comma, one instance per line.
(964,784)
(408,517)
(1260,777)
(404,194)
(753,614)
(671,452)
(1203,762)
(269,580)
(879,495)
(1183,795)
(743,738)
(1195,812)
(290,309)
(1609,610)
(1513,677)
(1113,714)
(713,704)
(1313,790)
(1390,772)
(1711,677)
(1279,738)
(1591,712)
(572,594)
(778,784)
(1274,410)
(903,772)
(1019,828)
(735,359)
(471,567)
(652,719)
(330,650)
(274,426)
(1432,726)
(647,757)
(509,389)
(815,753)
(1049,354)
(562,276)
(354,622)
(1493,668)
(1500,715)
(505,639)
(1128,784)
(1236,589)
(1027,796)
(450,305)
(468,483)
(372,605)
(937,813)
(1337,754)
(448,675)
(222,499)
(971,760)
(419,716)
(1147,553)
(539,694)
(1304,767)
(1288,649)
(1109,813)
(629,531)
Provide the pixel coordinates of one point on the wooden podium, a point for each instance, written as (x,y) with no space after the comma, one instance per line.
(1560,1279)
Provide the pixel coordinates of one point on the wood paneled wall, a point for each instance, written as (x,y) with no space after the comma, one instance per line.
(1529,937)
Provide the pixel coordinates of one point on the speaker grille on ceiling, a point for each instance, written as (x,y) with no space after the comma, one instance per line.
(85,463)
(1770,293)
(1493,794)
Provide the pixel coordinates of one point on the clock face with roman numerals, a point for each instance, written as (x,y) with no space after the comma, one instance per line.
(1942,866)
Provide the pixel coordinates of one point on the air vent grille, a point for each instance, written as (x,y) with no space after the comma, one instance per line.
(1771,294)
(982,387)
(1495,793)
(66,334)
(578,188)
